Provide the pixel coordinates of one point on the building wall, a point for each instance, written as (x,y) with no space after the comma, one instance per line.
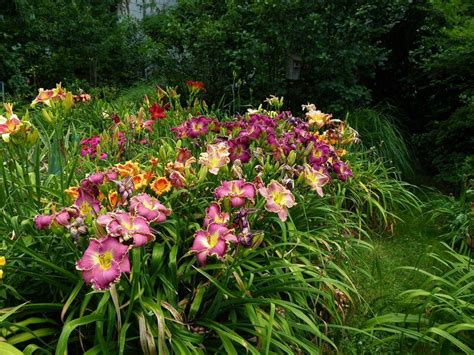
(140,8)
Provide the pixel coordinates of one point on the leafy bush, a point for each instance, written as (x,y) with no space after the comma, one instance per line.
(244,48)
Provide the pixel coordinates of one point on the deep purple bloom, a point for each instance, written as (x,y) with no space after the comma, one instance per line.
(239,149)
(342,170)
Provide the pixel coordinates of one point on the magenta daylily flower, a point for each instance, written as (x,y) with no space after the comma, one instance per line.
(239,149)
(238,192)
(149,208)
(215,215)
(319,155)
(127,227)
(43,221)
(103,262)
(316,179)
(342,170)
(212,242)
(86,202)
(279,199)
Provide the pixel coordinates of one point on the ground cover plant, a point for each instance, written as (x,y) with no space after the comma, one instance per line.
(166,226)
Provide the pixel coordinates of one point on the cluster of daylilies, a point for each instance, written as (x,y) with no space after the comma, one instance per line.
(119,209)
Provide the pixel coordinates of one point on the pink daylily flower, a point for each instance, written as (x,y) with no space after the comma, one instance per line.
(103,262)
(212,242)
(316,179)
(149,208)
(127,227)
(237,190)
(279,199)
(215,215)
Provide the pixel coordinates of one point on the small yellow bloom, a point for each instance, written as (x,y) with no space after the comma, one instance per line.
(3,261)
(1,274)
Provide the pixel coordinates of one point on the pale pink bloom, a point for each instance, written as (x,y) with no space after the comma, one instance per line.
(279,199)
(103,262)
(216,157)
(316,179)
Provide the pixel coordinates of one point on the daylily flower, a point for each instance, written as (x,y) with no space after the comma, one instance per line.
(141,181)
(342,170)
(86,203)
(177,179)
(157,112)
(238,192)
(161,185)
(319,154)
(149,208)
(215,215)
(195,86)
(103,262)
(44,96)
(279,199)
(128,169)
(317,118)
(9,126)
(216,157)
(316,179)
(239,149)
(212,242)
(127,227)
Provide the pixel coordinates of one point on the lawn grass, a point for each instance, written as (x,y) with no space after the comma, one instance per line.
(412,241)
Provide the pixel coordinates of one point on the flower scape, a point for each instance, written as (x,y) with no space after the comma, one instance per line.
(172,208)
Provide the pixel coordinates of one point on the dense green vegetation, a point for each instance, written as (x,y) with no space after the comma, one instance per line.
(366,246)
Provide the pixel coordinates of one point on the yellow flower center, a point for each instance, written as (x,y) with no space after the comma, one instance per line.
(212,239)
(105,260)
(278,197)
(148,205)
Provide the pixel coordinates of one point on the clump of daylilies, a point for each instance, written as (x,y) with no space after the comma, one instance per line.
(254,163)
(117,210)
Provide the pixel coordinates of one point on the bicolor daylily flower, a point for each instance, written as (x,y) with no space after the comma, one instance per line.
(319,154)
(161,185)
(342,170)
(216,157)
(238,191)
(103,262)
(127,227)
(215,215)
(316,179)
(9,125)
(149,208)
(279,199)
(86,203)
(212,242)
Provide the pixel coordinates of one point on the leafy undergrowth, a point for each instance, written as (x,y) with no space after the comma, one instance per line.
(400,267)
